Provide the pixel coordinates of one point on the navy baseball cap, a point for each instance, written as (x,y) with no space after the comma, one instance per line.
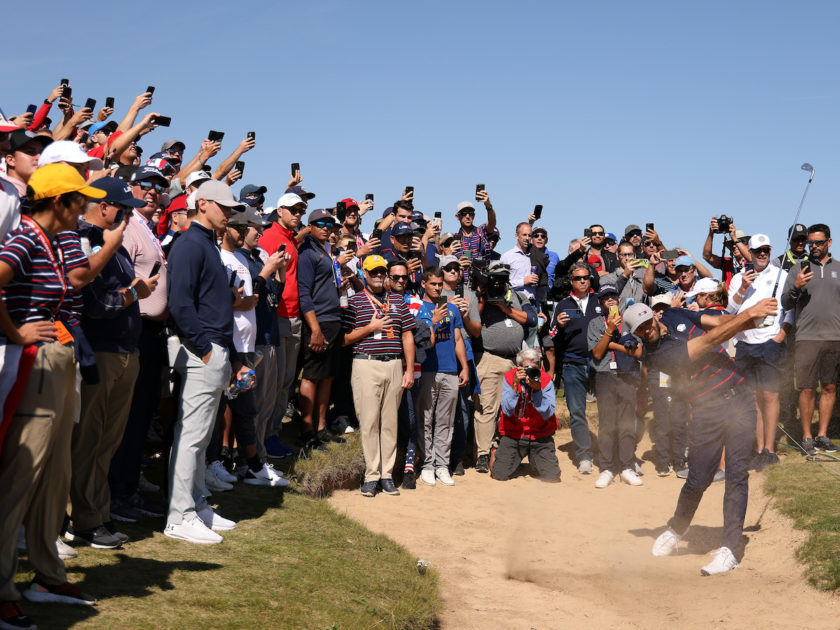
(401,228)
(300,192)
(249,190)
(148,172)
(117,192)
(418,217)
(607,289)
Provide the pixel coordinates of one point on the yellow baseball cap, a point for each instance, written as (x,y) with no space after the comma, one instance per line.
(374,262)
(56,179)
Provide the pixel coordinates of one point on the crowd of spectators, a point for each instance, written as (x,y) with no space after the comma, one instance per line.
(132,285)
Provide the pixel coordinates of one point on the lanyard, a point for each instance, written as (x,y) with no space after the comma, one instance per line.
(57,265)
(620,326)
(384,308)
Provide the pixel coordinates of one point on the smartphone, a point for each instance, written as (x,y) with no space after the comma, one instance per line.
(162,121)
(340,211)
(442,300)
(649,227)
(642,263)
(282,248)
(806,266)
(240,166)
(150,89)
(479,188)
(232,278)
(587,233)
(31,109)
(573,313)
(459,290)
(65,82)
(369,197)
(90,103)
(241,284)
(68,93)
(295,168)
(109,102)
(377,233)
(614,310)
(748,266)
(409,189)
(215,136)
(252,135)
(155,269)
(537,211)
(669,254)
(438,220)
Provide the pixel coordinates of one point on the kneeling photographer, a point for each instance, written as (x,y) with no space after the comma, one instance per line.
(528,421)
(504,314)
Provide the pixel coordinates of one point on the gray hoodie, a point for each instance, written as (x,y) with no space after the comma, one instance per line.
(817,304)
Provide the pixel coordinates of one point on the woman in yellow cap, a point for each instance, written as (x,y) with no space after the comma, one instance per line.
(38,414)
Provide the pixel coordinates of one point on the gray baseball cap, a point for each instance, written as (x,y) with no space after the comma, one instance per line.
(636,315)
(214,190)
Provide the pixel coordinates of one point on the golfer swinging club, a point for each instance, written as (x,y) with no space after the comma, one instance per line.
(723,414)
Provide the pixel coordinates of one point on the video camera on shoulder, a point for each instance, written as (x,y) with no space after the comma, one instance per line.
(724,223)
(492,281)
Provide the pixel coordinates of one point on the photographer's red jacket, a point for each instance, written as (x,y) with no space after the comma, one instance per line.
(526,413)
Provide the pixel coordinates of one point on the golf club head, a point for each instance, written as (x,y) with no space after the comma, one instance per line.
(809,168)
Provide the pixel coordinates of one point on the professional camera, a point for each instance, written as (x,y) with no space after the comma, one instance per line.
(724,223)
(532,373)
(492,281)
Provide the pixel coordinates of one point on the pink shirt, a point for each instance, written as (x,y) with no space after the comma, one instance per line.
(144,250)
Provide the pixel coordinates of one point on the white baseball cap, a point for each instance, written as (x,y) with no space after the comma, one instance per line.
(288,200)
(756,241)
(196,176)
(704,285)
(68,151)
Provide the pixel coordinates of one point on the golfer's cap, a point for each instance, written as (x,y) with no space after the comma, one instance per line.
(448,260)
(704,285)
(684,261)
(68,151)
(797,231)
(288,200)
(464,205)
(636,315)
(759,240)
(374,262)
(53,180)
(320,215)
(196,177)
(220,193)
(607,289)
(661,299)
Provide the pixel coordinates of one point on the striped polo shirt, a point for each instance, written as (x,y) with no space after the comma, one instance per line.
(74,257)
(36,290)
(360,311)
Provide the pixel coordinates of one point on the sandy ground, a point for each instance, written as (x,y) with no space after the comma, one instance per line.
(524,554)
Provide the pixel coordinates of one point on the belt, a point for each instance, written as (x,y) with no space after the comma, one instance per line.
(377,357)
(509,357)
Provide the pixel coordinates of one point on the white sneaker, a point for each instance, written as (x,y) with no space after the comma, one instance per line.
(722,562)
(349,429)
(192,529)
(629,476)
(214,521)
(585,467)
(214,483)
(144,485)
(428,477)
(666,543)
(604,479)
(266,476)
(65,551)
(220,473)
(442,474)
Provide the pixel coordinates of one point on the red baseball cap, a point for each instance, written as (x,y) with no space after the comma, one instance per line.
(349,202)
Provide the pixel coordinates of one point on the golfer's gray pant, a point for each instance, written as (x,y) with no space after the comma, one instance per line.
(266,394)
(436,404)
(201,388)
(287,355)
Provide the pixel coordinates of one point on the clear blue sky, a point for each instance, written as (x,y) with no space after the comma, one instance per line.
(613,111)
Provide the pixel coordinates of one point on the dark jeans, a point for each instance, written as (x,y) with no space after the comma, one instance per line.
(670,422)
(575,382)
(461,428)
(124,474)
(407,422)
(616,420)
(243,410)
(728,422)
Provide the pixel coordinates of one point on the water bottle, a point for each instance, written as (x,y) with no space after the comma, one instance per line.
(239,386)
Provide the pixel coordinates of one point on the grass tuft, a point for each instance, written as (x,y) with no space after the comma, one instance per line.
(809,494)
(339,468)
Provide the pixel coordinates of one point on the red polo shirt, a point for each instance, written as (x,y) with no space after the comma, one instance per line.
(270,241)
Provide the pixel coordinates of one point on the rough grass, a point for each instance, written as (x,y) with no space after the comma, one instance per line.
(292,562)
(340,467)
(810,495)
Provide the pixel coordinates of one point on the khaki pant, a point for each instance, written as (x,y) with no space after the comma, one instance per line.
(35,468)
(96,438)
(377,391)
(491,370)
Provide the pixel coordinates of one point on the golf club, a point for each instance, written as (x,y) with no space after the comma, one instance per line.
(810,169)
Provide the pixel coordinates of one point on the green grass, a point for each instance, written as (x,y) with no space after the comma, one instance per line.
(340,467)
(809,494)
(292,562)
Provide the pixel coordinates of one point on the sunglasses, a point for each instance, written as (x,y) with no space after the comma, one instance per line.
(296,210)
(539,235)
(398,277)
(323,224)
(594,233)
(762,250)
(452,269)
(579,278)
(160,188)
(379,271)
(648,243)
(634,233)
(465,213)
(818,243)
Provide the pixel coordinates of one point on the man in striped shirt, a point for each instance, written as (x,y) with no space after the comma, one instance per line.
(380,328)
